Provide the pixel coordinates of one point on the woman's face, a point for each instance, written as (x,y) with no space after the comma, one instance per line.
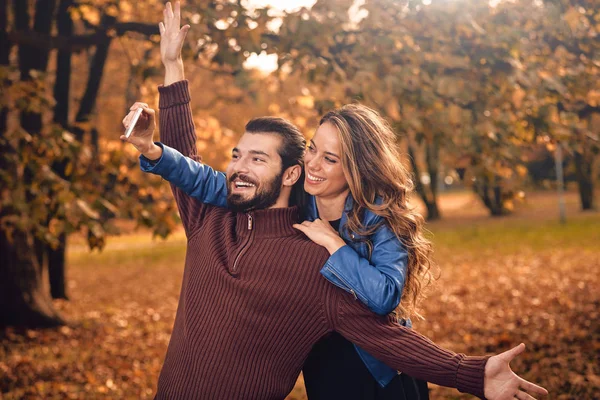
(323,165)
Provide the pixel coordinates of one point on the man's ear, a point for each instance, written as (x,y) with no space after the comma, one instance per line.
(291,175)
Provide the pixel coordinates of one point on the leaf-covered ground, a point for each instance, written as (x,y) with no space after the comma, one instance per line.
(503,281)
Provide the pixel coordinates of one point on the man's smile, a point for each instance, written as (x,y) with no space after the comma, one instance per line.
(242,186)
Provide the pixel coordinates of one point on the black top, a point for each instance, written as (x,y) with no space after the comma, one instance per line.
(336,224)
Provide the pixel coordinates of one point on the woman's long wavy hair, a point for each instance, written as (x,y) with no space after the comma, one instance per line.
(372,167)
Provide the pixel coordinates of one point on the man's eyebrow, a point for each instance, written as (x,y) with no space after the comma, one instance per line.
(258,152)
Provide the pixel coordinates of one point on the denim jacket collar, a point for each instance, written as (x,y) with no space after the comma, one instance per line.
(312,212)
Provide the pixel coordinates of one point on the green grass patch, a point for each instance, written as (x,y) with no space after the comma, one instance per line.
(501,236)
(510,235)
(136,249)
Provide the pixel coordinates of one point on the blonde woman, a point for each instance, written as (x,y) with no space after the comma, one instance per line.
(357,183)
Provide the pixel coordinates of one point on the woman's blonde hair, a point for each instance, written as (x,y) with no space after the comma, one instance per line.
(372,167)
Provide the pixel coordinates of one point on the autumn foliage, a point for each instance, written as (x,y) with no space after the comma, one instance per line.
(526,279)
(480,93)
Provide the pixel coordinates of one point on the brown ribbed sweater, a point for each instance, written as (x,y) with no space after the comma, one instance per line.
(253,303)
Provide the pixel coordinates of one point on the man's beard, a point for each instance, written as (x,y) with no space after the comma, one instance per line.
(264,198)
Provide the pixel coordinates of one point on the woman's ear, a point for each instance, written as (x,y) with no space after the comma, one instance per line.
(291,175)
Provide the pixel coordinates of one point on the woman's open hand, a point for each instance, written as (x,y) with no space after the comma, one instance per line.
(322,233)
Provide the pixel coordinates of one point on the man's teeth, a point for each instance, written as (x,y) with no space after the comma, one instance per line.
(244,184)
(314,178)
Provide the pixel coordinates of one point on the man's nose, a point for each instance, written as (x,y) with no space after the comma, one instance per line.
(241,166)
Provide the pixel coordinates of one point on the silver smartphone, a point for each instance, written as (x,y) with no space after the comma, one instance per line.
(134,121)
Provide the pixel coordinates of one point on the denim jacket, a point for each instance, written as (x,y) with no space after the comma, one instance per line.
(372,269)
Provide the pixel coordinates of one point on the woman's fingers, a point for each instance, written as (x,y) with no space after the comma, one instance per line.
(128,118)
(300,227)
(137,105)
(161,28)
(146,117)
(132,109)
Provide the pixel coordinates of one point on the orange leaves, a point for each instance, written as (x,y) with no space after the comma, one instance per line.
(393,110)
(593,98)
(86,209)
(502,282)
(574,18)
(58,185)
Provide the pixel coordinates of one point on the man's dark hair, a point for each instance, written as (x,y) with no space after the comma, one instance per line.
(291,151)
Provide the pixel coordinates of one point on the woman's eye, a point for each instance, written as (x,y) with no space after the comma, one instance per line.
(311,149)
(234,156)
(330,160)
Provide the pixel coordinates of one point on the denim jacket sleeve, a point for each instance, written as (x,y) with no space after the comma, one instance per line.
(196,179)
(377,283)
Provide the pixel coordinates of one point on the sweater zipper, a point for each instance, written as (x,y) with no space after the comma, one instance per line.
(237,258)
(347,288)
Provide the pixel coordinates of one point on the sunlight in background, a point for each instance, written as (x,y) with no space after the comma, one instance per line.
(264,62)
(284,5)
(268,63)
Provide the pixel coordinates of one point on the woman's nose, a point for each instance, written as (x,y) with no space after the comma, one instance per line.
(313,163)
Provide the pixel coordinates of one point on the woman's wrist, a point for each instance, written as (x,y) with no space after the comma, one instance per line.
(153,153)
(335,244)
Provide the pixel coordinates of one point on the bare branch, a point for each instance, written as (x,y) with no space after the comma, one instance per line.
(79,42)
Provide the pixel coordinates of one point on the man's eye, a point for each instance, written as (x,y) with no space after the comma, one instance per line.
(256,159)
(235,156)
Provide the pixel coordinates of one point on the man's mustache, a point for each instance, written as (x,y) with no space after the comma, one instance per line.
(243,178)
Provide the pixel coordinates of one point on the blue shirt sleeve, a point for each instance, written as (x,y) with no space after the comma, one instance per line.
(194,178)
(377,283)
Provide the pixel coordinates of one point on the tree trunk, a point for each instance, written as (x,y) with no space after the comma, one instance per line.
(433,211)
(491,195)
(62,84)
(432,158)
(88,102)
(56,257)
(56,269)
(585,178)
(24,300)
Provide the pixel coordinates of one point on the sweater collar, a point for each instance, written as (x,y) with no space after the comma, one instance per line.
(272,222)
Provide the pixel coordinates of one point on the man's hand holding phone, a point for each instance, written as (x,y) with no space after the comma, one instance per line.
(140,126)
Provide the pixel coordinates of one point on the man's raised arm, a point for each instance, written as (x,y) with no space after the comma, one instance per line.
(171,42)
(176,122)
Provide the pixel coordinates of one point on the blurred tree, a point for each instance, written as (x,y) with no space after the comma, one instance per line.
(62,86)
(467,83)
(56,177)
(432,70)
(563,50)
